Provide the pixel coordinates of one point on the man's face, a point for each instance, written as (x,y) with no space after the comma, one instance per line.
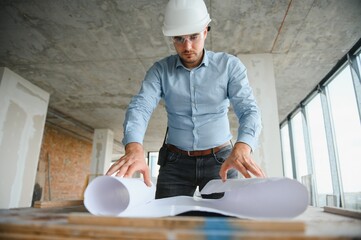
(190,48)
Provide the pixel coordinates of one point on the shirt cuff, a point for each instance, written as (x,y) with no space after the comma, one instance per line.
(249,140)
(129,139)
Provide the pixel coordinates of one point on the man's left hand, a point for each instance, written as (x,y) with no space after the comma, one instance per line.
(240,159)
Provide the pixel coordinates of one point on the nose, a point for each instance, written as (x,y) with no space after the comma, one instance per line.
(187,44)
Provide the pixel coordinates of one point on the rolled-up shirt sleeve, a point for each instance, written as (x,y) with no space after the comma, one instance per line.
(244,105)
(141,107)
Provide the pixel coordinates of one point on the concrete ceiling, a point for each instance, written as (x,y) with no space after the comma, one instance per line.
(91,55)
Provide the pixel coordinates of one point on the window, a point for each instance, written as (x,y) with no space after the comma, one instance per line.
(153,164)
(321,139)
(322,173)
(286,152)
(299,146)
(347,133)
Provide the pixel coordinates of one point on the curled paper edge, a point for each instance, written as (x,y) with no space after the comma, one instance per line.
(268,198)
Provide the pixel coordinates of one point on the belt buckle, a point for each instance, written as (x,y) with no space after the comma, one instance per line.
(189,153)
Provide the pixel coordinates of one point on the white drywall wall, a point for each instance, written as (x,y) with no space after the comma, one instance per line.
(23,108)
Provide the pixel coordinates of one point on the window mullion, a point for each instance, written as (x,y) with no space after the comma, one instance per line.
(332,150)
(292,148)
(356,79)
(309,155)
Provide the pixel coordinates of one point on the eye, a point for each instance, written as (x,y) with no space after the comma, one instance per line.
(178,39)
(194,37)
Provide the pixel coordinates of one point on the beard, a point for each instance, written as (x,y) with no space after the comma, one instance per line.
(190,58)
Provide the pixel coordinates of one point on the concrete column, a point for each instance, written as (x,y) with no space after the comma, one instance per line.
(23,108)
(262,80)
(102,151)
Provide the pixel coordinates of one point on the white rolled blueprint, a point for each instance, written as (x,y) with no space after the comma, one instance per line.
(253,198)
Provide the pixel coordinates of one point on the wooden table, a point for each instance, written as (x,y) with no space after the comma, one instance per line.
(75,222)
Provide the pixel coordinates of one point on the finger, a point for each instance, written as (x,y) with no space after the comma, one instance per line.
(131,170)
(252,167)
(263,174)
(256,170)
(223,171)
(122,170)
(260,171)
(242,169)
(112,169)
(115,166)
(146,177)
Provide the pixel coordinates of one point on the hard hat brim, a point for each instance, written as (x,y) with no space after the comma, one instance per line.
(185,30)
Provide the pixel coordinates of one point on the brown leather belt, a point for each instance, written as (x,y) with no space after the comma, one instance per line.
(197,153)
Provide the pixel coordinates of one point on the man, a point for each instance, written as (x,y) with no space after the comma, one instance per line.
(197,86)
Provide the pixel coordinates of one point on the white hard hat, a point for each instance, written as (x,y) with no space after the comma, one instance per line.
(184,17)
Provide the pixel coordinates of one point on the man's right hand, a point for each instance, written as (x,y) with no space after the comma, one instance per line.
(131,162)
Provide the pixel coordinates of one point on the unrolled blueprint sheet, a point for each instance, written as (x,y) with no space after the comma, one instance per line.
(254,198)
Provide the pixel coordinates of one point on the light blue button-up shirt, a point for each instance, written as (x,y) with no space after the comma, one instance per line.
(197,102)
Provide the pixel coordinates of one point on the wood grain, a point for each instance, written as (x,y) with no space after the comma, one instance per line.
(57,204)
(189,223)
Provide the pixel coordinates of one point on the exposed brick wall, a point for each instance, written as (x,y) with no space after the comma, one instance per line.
(69,159)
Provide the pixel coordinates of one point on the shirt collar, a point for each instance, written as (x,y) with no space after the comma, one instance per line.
(204,62)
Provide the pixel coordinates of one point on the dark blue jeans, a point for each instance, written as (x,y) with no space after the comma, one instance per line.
(181,174)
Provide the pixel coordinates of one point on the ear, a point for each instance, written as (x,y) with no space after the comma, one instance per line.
(205,32)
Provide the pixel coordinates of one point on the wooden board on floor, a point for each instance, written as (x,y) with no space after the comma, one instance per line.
(343,212)
(57,204)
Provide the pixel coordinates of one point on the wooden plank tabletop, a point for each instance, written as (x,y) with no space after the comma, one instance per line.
(76,223)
